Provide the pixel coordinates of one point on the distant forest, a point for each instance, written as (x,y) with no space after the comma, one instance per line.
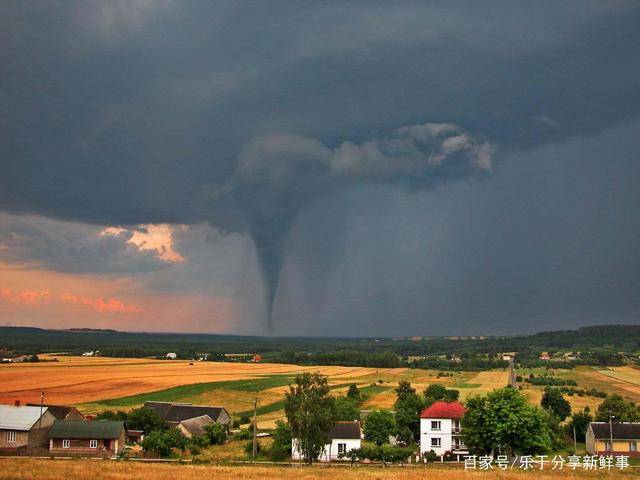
(598,345)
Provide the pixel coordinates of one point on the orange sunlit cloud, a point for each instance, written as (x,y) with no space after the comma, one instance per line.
(33,297)
(154,237)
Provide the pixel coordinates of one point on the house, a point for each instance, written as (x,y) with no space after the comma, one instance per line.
(134,436)
(344,436)
(172,355)
(61,412)
(545,356)
(83,438)
(626,438)
(440,429)
(195,427)
(24,428)
(174,413)
(508,356)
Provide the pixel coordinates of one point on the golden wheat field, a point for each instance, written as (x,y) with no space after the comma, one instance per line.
(37,469)
(73,380)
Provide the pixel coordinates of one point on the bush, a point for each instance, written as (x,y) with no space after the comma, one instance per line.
(430,456)
(248,448)
(244,434)
(216,434)
(162,443)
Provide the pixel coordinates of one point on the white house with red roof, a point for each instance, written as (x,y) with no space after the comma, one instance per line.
(440,429)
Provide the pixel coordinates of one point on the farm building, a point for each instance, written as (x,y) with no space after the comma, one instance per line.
(195,426)
(23,429)
(174,413)
(61,412)
(440,429)
(82,438)
(344,436)
(626,438)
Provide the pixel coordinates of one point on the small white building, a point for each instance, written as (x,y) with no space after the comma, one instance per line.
(344,436)
(172,355)
(440,429)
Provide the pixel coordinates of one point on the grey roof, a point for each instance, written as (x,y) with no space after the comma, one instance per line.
(19,418)
(59,411)
(87,429)
(177,412)
(345,430)
(621,431)
(195,426)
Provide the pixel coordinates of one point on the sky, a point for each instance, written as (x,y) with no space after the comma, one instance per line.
(319,168)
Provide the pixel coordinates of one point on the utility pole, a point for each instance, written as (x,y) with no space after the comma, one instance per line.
(575,443)
(611,417)
(41,408)
(255,428)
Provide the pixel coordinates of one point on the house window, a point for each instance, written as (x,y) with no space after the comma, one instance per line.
(93,443)
(607,446)
(436,424)
(633,446)
(342,448)
(436,442)
(456,425)
(11,436)
(66,443)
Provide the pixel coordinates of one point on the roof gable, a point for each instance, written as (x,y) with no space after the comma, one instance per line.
(196,425)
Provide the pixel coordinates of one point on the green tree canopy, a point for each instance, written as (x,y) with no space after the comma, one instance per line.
(580,421)
(162,443)
(353,392)
(145,419)
(408,406)
(617,406)
(216,434)
(553,400)
(436,391)
(504,421)
(311,413)
(378,426)
(347,409)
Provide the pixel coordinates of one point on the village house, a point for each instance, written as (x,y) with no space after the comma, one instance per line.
(345,436)
(626,438)
(440,429)
(545,356)
(82,438)
(24,428)
(172,356)
(195,427)
(508,356)
(174,413)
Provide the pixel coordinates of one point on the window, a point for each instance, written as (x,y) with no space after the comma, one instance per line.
(456,425)
(342,448)
(435,424)
(436,442)
(66,443)
(633,446)
(607,446)
(11,436)
(93,443)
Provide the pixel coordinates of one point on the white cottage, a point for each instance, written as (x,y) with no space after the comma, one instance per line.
(440,429)
(344,436)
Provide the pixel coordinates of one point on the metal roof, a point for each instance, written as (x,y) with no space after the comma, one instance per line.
(19,418)
(621,431)
(86,429)
(345,431)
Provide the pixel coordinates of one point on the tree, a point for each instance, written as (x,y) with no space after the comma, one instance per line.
(378,426)
(504,420)
(281,446)
(347,409)
(162,443)
(215,433)
(311,413)
(553,400)
(111,415)
(436,391)
(452,395)
(617,406)
(408,407)
(353,392)
(145,419)
(580,421)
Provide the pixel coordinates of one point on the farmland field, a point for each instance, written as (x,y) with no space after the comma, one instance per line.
(36,469)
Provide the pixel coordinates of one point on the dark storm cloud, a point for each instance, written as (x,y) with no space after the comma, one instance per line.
(240,114)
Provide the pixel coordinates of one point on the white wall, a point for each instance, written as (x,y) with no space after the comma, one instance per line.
(427,433)
(330,451)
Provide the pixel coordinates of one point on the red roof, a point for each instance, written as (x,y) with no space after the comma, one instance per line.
(443,410)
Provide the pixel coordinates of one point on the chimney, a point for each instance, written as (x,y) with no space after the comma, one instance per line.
(17,403)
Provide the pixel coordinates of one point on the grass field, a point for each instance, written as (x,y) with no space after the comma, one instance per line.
(36,469)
